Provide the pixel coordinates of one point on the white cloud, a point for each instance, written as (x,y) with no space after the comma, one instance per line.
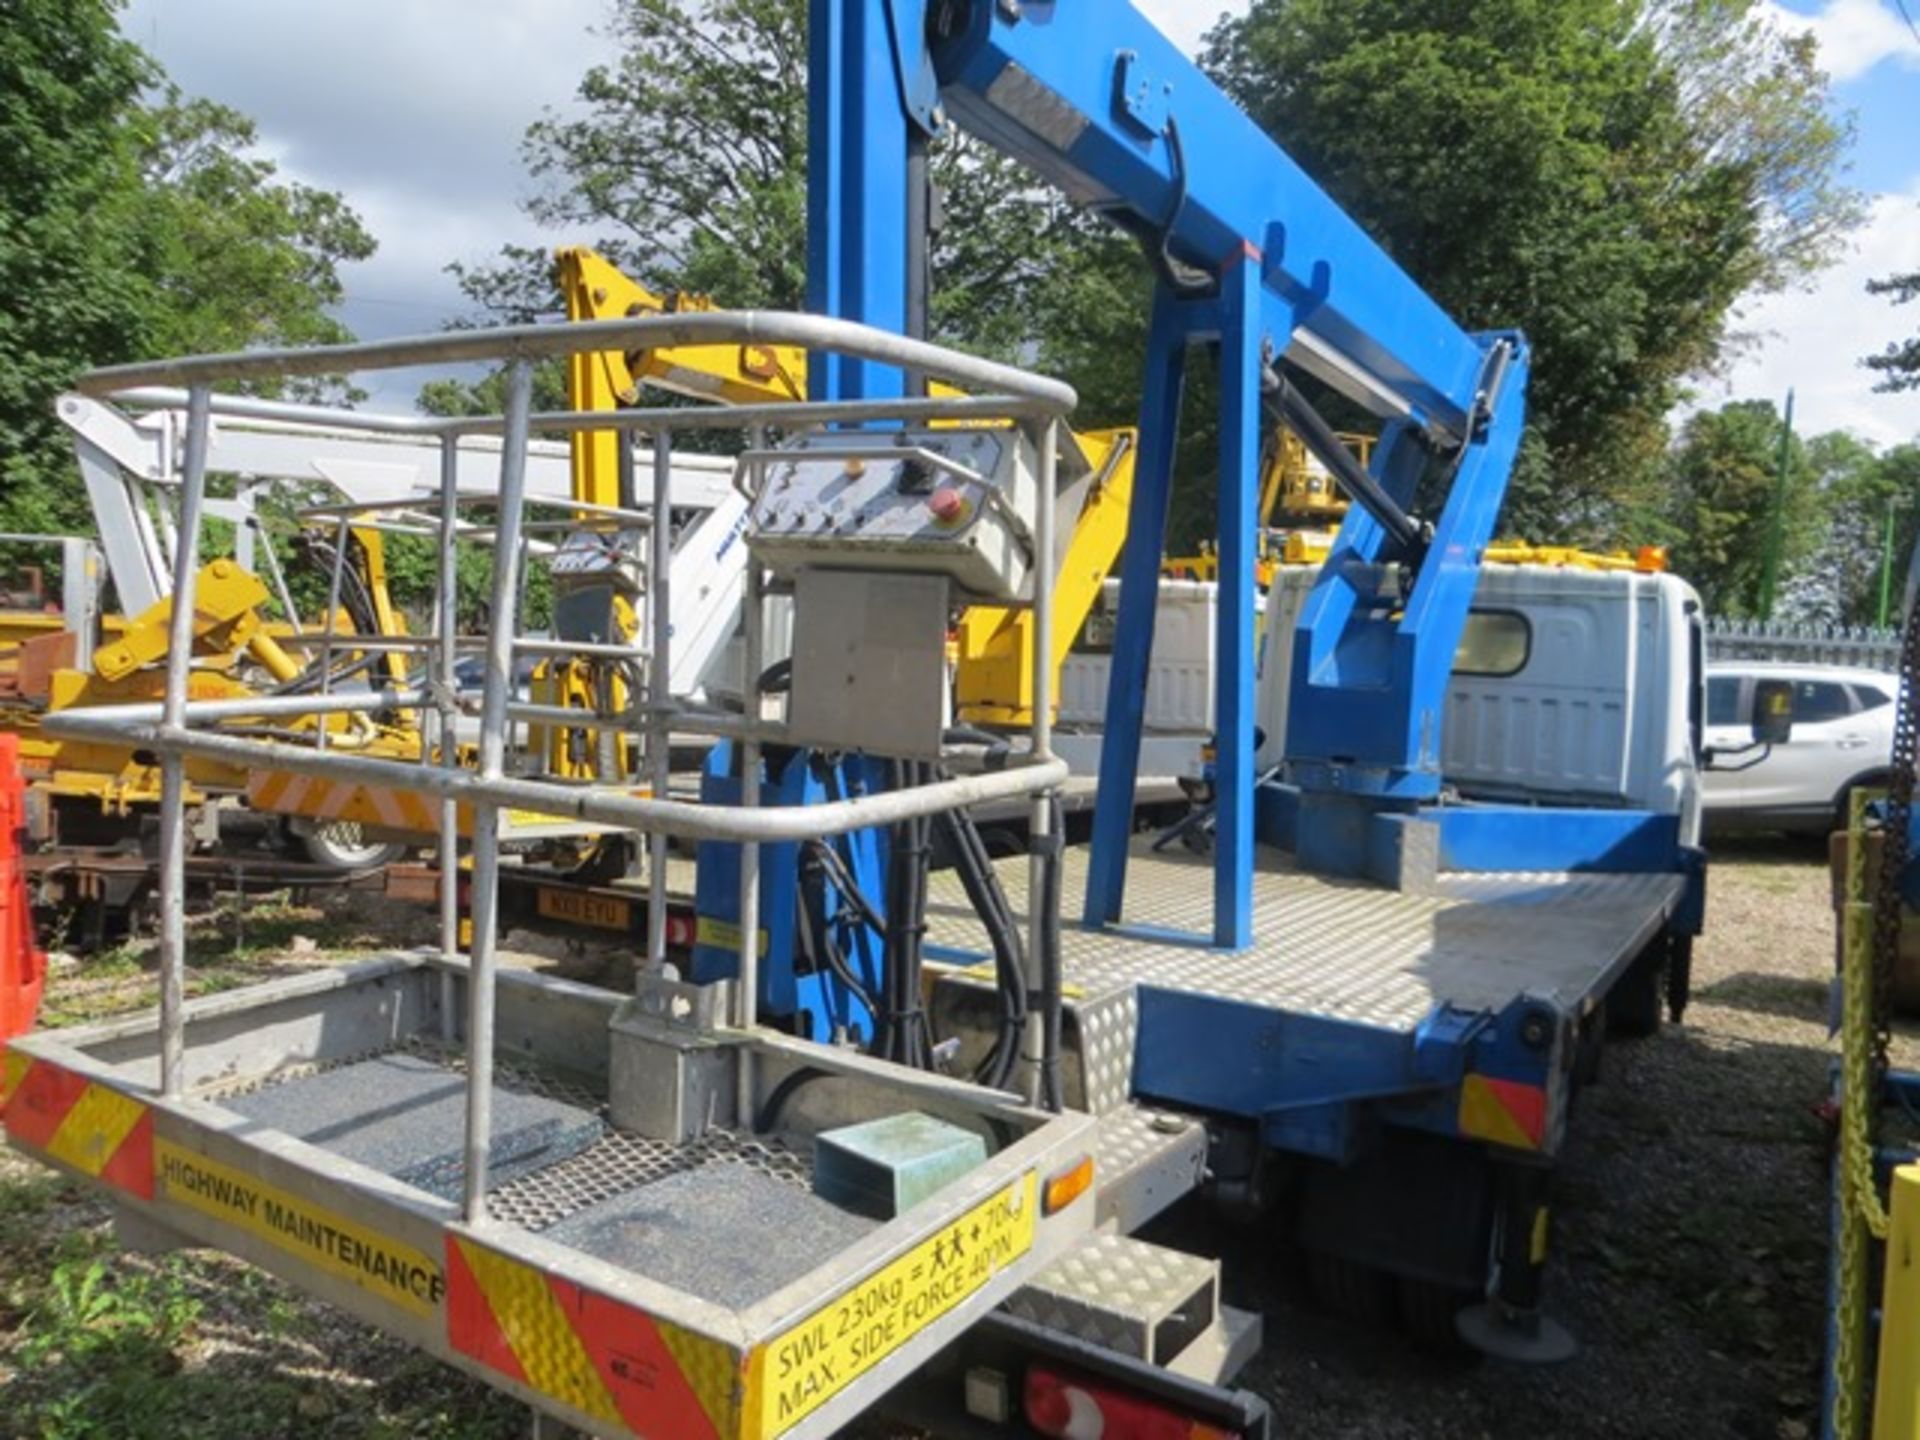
(413,110)
(1812,341)
(1854,35)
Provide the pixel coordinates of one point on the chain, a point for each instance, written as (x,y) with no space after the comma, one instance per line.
(1888,904)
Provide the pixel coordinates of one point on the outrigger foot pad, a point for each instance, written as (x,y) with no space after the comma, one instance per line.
(1526,1337)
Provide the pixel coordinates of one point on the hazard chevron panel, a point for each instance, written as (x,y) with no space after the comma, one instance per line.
(1505,1112)
(610,1362)
(88,1127)
(285,794)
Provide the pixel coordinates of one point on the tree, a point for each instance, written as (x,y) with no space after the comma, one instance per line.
(1900,364)
(1608,175)
(1723,478)
(133,222)
(686,167)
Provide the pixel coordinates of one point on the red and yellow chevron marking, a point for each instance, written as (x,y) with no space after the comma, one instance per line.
(13,1069)
(1506,1112)
(282,794)
(617,1365)
(87,1127)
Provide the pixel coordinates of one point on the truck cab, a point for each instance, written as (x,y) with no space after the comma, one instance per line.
(1572,686)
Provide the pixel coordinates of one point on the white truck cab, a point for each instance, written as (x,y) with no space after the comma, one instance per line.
(1572,686)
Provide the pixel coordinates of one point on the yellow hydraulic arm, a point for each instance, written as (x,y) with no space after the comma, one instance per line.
(994,679)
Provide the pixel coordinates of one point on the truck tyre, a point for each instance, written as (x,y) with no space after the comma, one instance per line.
(343,845)
(1638,999)
(1428,1311)
(1351,1290)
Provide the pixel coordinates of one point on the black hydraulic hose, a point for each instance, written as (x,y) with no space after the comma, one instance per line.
(769,1112)
(815,934)
(1312,428)
(906,932)
(998,747)
(989,902)
(836,867)
(1050,848)
(1013,982)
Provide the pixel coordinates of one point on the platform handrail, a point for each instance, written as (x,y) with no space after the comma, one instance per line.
(1032,403)
(548,341)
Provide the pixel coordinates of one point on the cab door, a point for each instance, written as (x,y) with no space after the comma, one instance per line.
(1828,748)
(1727,731)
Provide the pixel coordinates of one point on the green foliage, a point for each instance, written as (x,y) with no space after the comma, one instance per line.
(1608,175)
(1841,496)
(1724,476)
(102,1346)
(133,222)
(1899,365)
(686,166)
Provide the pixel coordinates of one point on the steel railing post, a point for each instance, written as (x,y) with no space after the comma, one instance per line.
(659,690)
(173,777)
(502,622)
(447,632)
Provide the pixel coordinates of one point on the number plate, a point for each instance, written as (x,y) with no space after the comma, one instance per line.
(581,907)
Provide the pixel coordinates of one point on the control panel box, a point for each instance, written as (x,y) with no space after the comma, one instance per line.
(954,503)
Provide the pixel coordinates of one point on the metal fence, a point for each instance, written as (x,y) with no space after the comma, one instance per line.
(1863,645)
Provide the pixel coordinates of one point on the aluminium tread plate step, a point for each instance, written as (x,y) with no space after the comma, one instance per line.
(1341,949)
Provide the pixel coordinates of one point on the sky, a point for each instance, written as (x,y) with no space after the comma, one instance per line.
(414,110)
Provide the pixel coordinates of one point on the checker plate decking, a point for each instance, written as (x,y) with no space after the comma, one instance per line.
(1344,949)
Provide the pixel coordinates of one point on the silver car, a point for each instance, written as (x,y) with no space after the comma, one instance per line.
(1842,737)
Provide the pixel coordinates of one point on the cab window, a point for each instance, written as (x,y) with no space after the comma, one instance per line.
(1723,700)
(1493,642)
(1815,701)
(1871,697)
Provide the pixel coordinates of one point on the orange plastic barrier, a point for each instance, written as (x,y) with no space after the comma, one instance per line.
(23,968)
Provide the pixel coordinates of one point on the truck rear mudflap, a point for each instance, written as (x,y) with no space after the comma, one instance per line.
(654,1260)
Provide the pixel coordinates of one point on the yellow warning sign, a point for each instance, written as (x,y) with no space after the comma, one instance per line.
(800,1371)
(394,1271)
(722,934)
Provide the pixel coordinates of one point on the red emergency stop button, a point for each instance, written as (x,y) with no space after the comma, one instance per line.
(948,505)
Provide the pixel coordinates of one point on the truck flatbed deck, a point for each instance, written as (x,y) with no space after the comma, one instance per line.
(1409,970)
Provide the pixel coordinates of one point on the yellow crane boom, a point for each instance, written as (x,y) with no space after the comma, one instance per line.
(994,676)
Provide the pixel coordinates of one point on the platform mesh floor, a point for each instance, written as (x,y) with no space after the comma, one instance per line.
(618,1163)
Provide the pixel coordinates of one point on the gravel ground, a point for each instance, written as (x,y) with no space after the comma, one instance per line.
(1690,1239)
(1690,1228)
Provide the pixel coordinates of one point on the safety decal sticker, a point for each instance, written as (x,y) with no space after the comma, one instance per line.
(380,1265)
(617,1365)
(90,1128)
(801,1370)
(1506,1112)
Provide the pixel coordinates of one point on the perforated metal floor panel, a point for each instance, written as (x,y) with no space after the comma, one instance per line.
(1337,948)
(618,1163)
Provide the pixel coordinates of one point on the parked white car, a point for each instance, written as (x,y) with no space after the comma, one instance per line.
(1842,737)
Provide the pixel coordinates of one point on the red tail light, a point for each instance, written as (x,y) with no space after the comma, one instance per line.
(1069,1407)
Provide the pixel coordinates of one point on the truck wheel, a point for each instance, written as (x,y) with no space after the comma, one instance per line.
(1352,1291)
(1636,1002)
(344,845)
(1428,1310)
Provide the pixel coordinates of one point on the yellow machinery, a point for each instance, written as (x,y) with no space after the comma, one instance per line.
(993,678)
(87,792)
(1300,508)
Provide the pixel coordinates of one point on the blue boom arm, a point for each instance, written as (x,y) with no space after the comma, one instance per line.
(1257,261)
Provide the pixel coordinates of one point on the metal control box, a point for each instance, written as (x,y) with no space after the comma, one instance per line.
(958,503)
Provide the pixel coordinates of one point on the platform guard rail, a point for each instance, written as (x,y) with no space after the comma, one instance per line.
(178,728)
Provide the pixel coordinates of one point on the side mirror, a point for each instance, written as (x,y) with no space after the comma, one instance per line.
(1772,712)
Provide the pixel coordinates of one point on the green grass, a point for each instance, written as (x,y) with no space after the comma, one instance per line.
(98,1344)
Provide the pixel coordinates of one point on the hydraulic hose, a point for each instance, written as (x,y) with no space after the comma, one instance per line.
(989,901)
